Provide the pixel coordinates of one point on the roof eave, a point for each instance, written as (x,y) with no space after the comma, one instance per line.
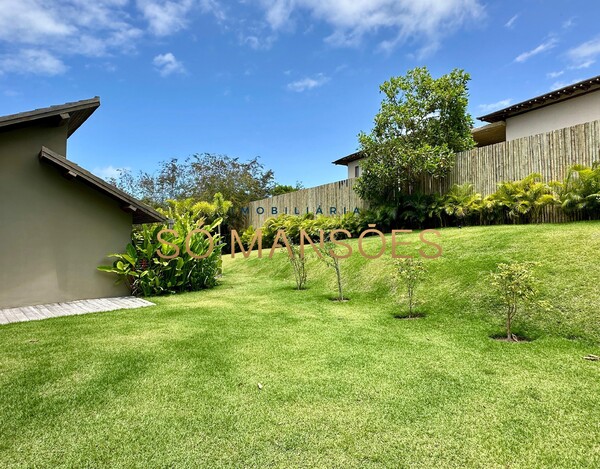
(562,94)
(140,211)
(72,114)
(349,159)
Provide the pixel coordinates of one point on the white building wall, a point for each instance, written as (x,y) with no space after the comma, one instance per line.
(352,169)
(579,110)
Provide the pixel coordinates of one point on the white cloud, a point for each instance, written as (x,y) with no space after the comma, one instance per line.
(167,64)
(486,108)
(258,42)
(425,21)
(569,23)
(98,28)
(59,29)
(547,45)
(308,83)
(108,172)
(511,22)
(65,24)
(555,74)
(165,17)
(585,54)
(32,61)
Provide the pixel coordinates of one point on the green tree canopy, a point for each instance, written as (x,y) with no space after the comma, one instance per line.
(200,178)
(280,189)
(421,124)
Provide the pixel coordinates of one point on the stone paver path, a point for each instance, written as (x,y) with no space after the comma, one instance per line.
(69,308)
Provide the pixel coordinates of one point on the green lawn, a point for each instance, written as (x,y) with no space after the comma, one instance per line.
(343,384)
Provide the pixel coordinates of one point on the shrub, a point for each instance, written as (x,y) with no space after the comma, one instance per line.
(580,190)
(418,209)
(409,273)
(294,224)
(462,202)
(298,262)
(247,236)
(522,200)
(329,257)
(146,273)
(514,284)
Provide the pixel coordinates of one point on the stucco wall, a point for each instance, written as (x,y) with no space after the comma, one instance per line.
(352,168)
(55,232)
(585,108)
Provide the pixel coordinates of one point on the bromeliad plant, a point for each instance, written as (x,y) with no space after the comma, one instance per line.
(146,273)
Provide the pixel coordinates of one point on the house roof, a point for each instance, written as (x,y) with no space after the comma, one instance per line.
(349,159)
(141,212)
(70,114)
(489,134)
(562,94)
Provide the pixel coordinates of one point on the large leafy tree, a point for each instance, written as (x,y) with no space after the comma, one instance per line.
(421,124)
(280,189)
(200,178)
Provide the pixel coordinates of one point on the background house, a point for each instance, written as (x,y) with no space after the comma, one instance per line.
(574,104)
(58,222)
(545,135)
(569,106)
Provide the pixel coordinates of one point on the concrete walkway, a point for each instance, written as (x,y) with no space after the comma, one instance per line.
(70,308)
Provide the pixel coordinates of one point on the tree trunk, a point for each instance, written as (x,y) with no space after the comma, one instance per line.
(339,280)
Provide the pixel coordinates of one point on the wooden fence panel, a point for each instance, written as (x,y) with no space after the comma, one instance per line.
(550,154)
(336,198)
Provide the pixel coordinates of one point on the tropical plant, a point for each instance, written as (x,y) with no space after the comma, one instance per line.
(409,273)
(294,224)
(462,202)
(523,200)
(146,273)
(221,208)
(515,287)
(247,236)
(580,190)
(209,211)
(418,208)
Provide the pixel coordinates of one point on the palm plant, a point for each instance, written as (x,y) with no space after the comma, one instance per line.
(416,209)
(580,190)
(524,199)
(462,201)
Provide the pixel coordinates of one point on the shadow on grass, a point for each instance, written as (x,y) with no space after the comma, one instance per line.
(514,338)
(415,315)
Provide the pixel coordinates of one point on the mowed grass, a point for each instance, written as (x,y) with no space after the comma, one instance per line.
(343,384)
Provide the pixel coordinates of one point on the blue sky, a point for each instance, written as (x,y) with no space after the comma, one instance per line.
(291,81)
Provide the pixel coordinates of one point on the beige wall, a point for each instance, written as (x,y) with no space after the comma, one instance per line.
(585,108)
(54,231)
